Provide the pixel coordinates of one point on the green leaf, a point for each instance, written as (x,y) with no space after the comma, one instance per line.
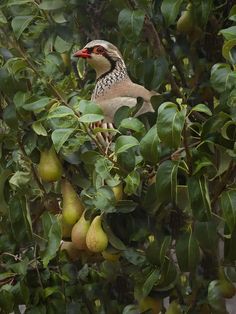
(89,118)
(37,105)
(20,23)
(199,198)
(52,290)
(18,2)
(124,142)
(133,124)
(131,23)
(104,199)
(202,108)
(132,182)
(157,250)
(39,128)
(61,45)
(60,112)
(168,276)
(6,299)
(3,19)
(51,4)
(89,107)
(229,33)
(113,239)
(4,175)
(219,76)
(228,208)
(131,309)
(227,48)
(206,234)
(170,123)
(134,256)
(170,9)
(187,252)
(60,136)
(20,179)
(166,181)
(52,232)
(150,146)
(215,298)
(150,282)
(125,206)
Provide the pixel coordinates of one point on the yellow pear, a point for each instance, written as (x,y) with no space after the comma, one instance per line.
(96,238)
(174,308)
(118,191)
(72,207)
(49,167)
(149,303)
(79,232)
(185,22)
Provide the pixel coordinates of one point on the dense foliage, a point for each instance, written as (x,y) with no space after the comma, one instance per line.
(172,235)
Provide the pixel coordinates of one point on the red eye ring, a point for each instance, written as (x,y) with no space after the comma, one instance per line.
(98,50)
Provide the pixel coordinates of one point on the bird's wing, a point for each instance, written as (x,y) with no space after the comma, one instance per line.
(124,93)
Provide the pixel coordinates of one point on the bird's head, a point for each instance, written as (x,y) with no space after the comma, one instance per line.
(101,55)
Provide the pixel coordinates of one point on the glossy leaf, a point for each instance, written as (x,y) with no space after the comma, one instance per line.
(124,142)
(20,23)
(170,9)
(228,207)
(60,136)
(166,181)
(150,146)
(187,251)
(51,4)
(170,122)
(131,22)
(199,198)
(132,182)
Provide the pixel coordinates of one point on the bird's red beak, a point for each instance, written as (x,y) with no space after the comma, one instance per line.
(83,53)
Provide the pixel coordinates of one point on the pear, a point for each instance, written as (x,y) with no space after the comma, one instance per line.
(226,287)
(65,228)
(71,250)
(96,238)
(49,167)
(118,191)
(174,308)
(185,22)
(79,232)
(149,303)
(72,206)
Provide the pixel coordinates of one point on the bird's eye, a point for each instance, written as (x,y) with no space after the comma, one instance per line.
(98,50)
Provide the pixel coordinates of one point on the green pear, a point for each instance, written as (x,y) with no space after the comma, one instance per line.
(226,287)
(72,206)
(185,23)
(174,308)
(65,228)
(79,232)
(49,167)
(96,238)
(118,191)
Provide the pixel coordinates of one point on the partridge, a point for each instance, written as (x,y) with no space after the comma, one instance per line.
(113,88)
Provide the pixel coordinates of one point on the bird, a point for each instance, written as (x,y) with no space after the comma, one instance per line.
(113,88)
